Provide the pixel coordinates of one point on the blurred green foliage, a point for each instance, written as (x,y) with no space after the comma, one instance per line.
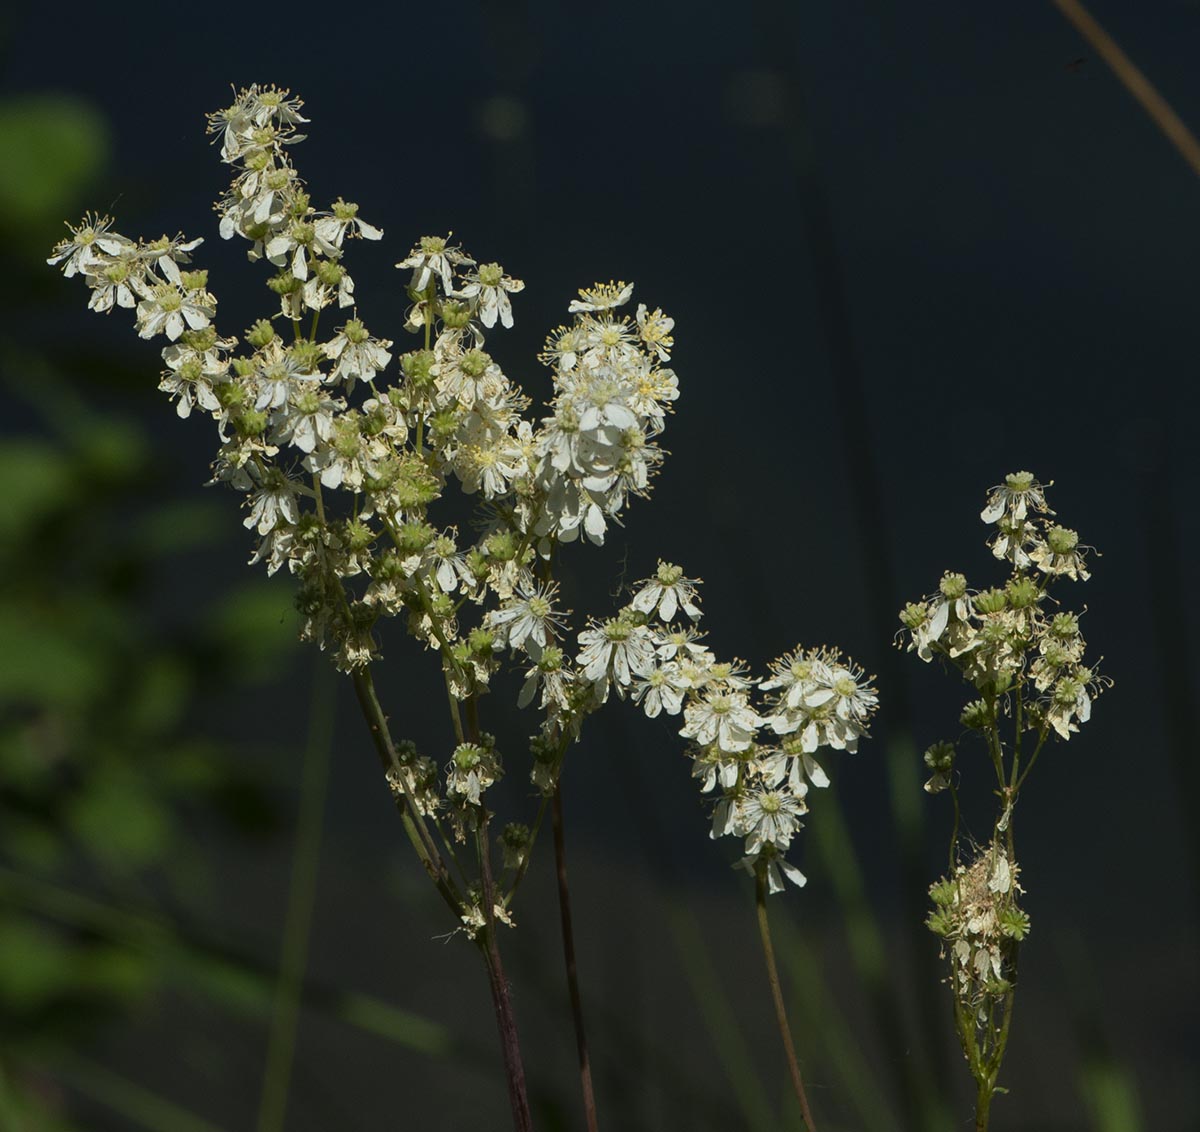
(104,776)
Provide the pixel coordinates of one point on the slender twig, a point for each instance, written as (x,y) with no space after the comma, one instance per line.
(414,825)
(568,938)
(506,1021)
(785,1032)
(1134,81)
(301,899)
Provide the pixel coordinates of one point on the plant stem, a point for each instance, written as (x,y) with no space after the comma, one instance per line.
(568,938)
(764,931)
(1134,81)
(983,1105)
(414,825)
(506,1022)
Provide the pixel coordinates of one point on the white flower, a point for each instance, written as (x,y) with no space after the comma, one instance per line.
(1060,554)
(666,593)
(357,356)
(601,297)
(615,649)
(662,690)
(489,289)
(432,256)
(273,502)
(1015,496)
(331,231)
(527,619)
(768,817)
(309,418)
(167,309)
(89,243)
(722,717)
(655,329)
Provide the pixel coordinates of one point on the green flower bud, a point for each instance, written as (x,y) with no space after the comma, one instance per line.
(914,615)
(976,715)
(284,283)
(250,422)
(944,893)
(1019,481)
(491,274)
(358,535)
(412,538)
(940,756)
(482,642)
(941,923)
(500,546)
(307,355)
(417,366)
(1014,923)
(953,586)
(1061,541)
(474,363)
(991,601)
(330,273)
(467,756)
(261,334)
(1022,593)
(355,332)
(455,315)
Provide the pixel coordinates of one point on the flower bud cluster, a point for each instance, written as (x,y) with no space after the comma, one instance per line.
(1011,637)
(757,757)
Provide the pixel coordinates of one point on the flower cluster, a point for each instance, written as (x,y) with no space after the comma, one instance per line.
(1011,642)
(341,454)
(976,912)
(757,759)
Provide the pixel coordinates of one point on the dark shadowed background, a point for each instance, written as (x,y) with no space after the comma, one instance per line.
(908,250)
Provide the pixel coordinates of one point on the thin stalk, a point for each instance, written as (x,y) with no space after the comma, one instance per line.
(568,938)
(1134,81)
(414,824)
(506,1022)
(785,1032)
(301,900)
(524,865)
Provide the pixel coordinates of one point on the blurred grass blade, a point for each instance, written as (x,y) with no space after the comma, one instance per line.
(301,902)
(133,1102)
(836,1048)
(868,953)
(1107,1086)
(722,1025)
(1110,1092)
(237,981)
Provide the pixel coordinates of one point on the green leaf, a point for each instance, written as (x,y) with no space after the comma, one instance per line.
(120,821)
(35,966)
(37,481)
(45,664)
